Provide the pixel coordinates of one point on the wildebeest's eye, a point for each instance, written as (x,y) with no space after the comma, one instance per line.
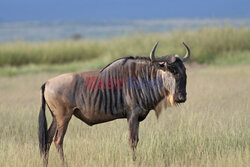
(172,69)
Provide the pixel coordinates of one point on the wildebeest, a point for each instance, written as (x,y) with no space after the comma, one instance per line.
(100,96)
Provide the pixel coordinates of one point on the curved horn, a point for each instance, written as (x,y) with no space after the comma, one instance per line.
(152,54)
(187,52)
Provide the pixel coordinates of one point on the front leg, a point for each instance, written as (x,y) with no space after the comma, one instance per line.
(133,132)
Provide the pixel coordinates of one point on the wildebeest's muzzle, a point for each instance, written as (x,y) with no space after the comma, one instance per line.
(179,98)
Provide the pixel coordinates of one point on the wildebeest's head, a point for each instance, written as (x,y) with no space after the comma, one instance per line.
(173,65)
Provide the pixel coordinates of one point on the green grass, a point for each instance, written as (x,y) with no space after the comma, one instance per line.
(54,52)
(211,129)
(220,46)
(207,45)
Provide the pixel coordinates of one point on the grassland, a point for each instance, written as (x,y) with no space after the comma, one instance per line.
(211,129)
(226,45)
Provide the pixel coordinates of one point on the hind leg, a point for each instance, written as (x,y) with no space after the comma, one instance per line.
(51,133)
(61,128)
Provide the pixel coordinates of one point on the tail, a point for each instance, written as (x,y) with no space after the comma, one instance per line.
(42,127)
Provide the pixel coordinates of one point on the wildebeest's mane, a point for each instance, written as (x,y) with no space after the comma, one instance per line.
(125,59)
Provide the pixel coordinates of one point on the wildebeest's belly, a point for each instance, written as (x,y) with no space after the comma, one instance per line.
(92,117)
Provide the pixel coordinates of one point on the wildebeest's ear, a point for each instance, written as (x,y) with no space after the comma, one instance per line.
(170,59)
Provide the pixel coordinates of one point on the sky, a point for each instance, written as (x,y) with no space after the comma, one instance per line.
(37,10)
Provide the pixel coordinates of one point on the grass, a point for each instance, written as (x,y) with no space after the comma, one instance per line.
(221,46)
(211,129)
(207,45)
(22,53)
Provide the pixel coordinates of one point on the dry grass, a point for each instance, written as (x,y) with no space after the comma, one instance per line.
(211,129)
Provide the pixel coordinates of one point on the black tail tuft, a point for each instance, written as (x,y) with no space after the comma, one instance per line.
(42,127)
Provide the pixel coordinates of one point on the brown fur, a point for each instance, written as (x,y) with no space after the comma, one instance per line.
(68,95)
